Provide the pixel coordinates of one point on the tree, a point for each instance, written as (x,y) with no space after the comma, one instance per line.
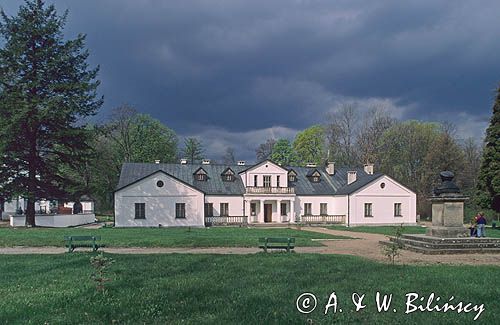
(488,187)
(265,150)
(443,154)
(193,150)
(310,145)
(228,157)
(283,153)
(341,132)
(139,137)
(472,156)
(403,150)
(46,89)
(375,122)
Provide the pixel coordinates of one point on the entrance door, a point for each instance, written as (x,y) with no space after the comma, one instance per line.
(268,212)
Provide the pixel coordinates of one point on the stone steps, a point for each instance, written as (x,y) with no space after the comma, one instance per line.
(433,245)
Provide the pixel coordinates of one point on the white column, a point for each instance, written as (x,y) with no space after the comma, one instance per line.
(247,211)
(278,210)
(261,213)
(292,211)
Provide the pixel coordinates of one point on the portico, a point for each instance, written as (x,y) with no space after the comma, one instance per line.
(265,209)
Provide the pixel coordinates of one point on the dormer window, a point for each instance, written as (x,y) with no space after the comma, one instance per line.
(200,175)
(314,176)
(292,176)
(228,175)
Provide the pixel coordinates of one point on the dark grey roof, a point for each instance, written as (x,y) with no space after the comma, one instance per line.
(328,185)
(132,172)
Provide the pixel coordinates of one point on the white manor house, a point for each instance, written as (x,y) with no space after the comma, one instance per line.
(198,195)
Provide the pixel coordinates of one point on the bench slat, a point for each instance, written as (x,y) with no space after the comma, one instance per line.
(78,238)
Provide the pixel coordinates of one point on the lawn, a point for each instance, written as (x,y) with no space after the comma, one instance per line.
(221,289)
(384,230)
(156,237)
(391,230)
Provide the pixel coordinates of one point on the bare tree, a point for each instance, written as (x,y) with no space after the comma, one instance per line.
(472,155)
(121,130)
(375,122)
(341,131)
(228,157)
(264,150)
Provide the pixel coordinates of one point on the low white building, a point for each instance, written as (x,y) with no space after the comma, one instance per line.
(152,195)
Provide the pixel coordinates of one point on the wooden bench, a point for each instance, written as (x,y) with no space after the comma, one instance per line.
(277,243)
(82,241)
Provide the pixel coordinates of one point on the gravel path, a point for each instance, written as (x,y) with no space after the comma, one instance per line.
(364,245)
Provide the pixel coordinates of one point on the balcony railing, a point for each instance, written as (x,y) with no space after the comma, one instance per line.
(325,219)
(270,190)
(225,220)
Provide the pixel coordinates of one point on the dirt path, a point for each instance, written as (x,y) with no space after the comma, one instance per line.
(367,245)
(364,245)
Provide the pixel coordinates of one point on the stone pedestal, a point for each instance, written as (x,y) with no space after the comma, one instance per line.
(448,217)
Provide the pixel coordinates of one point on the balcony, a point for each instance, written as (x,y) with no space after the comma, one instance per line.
(270,190)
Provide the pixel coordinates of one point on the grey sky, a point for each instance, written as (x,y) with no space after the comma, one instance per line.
(237,72)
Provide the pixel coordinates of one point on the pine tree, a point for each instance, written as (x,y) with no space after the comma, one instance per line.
(46,89)
(488,187)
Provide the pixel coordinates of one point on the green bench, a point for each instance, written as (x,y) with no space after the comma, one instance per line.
(277,243)
(73,242)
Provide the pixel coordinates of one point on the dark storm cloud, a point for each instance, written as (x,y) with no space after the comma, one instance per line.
(226,70)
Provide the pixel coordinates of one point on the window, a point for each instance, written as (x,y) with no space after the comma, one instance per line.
(255,180)
(140,210)
(228,175)
(397,210)
(368,210)
(201,175)
(278,181)
(209,209)
(180,210)
(283,209)
(291,178)
(267,181)
(253,209)
(382,185)
(323,209)
(159,184)
(224,209)
(307,208)
(315,179)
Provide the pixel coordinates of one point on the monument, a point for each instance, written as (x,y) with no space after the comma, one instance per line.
(447,209)
(447,235)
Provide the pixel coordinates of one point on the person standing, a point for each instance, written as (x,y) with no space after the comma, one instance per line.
(481,222)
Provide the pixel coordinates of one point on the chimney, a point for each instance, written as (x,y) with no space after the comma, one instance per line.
(369,169)
(351,177)
(241,163)
(184,161)
(330,168)
(157,161)
(205,162)
(310,165)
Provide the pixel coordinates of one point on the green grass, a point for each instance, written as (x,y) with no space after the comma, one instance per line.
(221,289)
(155,237)
(383,230)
